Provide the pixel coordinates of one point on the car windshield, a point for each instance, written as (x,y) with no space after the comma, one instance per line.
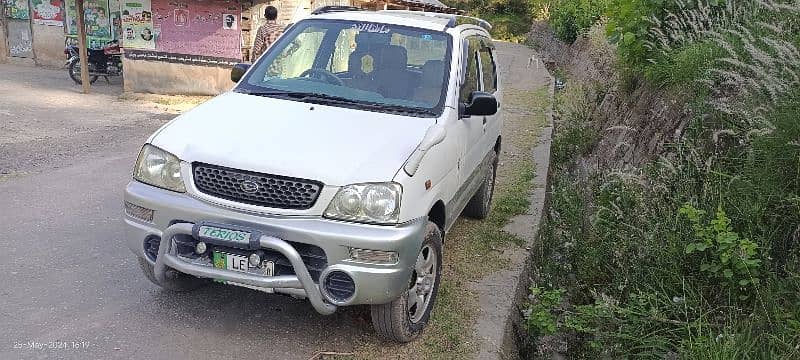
(360,64)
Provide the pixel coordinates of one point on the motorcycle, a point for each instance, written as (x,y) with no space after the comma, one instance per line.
(104,62)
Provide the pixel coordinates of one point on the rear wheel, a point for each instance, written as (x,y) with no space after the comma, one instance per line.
(403,319)
(74,69)
(480,204)
(176,281)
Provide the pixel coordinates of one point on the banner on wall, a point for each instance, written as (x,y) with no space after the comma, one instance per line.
(137,25)
(17,9)
(207,28)
(47,12)
(97,18)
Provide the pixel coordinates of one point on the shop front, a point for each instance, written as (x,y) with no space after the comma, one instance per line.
(32,31)
(169,46)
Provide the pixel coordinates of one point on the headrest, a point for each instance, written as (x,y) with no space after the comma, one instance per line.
(393,57)
(354,65)
(432,73)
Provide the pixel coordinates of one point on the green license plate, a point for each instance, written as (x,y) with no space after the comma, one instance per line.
(241,237)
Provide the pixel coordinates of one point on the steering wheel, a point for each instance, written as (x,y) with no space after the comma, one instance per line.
(324,75)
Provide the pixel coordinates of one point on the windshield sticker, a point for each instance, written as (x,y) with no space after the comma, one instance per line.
(427,37)
(372,28)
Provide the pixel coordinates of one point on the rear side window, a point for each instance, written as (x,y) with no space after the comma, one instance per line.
(488,67)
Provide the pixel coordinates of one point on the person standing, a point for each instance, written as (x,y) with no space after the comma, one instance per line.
(267,33)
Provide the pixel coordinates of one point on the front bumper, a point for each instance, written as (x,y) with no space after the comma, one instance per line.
(175,214)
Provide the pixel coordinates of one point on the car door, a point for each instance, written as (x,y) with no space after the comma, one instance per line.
(474,124)
(489,84)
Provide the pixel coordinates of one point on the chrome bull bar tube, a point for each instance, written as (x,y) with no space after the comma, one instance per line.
(301,279)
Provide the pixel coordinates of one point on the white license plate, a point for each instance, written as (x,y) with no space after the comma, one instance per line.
(241,263)
(241,237)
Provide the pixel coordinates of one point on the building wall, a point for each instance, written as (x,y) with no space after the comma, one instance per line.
(48,45)
(171,78)
(3,46)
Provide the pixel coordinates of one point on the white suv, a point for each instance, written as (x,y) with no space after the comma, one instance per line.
(332,171)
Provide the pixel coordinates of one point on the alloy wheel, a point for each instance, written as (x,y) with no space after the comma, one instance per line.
(420,291)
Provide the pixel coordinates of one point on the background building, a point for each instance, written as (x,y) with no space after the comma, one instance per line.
(169,46)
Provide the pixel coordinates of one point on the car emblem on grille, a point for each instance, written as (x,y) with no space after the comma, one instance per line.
(249,186)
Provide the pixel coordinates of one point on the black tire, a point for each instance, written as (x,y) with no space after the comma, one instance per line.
(394,321)
(176,281)
(478,207)
(74,70)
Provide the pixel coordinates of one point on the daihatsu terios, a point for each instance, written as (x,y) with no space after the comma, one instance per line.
(332,170)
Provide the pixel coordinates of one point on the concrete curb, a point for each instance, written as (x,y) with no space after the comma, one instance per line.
(501,295)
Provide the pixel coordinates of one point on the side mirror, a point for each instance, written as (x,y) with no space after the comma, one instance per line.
(480,104)
(238,71)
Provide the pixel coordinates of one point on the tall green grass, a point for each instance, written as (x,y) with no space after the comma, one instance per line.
(697,254)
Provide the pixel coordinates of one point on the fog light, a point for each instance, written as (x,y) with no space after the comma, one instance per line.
(138,212)
(200,248)
(255,260)
(373,256)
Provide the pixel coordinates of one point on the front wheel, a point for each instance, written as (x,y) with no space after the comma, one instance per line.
(74,69)
(403,319)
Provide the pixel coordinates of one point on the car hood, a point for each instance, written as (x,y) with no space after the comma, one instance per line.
(334,145)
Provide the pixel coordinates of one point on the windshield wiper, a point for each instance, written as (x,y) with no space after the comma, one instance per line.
(325,99)
(398,108)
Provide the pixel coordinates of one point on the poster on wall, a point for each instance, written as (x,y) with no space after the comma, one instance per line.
(47,12)
(17,9)
(208,28)
(97,18)
(116,19)
(137,25)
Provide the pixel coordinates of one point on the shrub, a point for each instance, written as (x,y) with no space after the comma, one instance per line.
(726,256)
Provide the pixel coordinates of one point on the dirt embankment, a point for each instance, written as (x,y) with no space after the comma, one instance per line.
(630,119)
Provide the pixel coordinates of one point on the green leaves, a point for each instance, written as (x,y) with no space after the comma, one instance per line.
(540,315)
(724,255)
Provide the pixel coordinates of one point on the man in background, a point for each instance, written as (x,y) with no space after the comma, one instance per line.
(267,33)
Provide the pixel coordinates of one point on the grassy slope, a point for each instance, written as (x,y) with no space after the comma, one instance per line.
(628,272)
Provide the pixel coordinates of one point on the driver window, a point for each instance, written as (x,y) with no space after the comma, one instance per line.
(471,77)
(298,56)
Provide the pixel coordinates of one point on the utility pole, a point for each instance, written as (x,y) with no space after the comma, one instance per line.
(82,52)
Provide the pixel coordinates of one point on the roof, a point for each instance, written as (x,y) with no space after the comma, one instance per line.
(424,3)
(420,19)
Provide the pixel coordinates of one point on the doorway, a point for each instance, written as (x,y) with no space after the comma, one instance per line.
(18,28)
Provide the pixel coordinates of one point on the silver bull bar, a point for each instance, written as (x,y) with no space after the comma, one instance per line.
(300,282)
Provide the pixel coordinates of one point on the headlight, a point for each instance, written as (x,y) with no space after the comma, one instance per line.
(159,168)
(370,203)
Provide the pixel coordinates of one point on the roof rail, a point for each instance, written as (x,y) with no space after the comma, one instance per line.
(334,8)
(461,20)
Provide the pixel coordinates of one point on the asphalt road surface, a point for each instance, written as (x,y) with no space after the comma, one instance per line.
(71,289)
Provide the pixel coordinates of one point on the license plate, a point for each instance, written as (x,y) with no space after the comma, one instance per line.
(241,263)
(231,262)
(241,237)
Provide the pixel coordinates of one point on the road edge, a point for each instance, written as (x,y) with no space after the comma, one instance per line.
(502,294)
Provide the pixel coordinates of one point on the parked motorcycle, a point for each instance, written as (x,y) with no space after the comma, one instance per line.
(104,62)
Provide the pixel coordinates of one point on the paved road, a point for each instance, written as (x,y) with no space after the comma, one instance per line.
(68,277)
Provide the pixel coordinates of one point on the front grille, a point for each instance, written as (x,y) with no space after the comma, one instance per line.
(255,188)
